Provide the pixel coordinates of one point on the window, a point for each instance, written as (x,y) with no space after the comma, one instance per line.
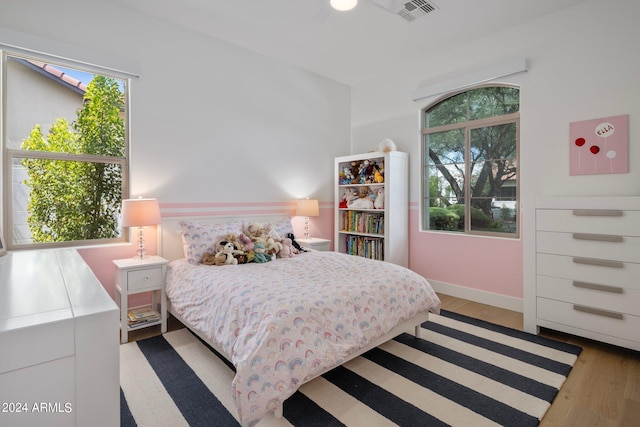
(65,142)
(470,162)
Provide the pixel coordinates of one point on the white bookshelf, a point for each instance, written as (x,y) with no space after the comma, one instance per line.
(378,233)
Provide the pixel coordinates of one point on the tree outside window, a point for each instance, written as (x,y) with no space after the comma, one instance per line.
(67,180)
(470,162)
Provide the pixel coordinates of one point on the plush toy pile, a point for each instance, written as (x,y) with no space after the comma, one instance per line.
(258,243)
(362,172)
(364,198)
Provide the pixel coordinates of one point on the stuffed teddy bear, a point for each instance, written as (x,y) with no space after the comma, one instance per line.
(295,244)
(217,258)
(272,247)
(245,242)
(348,196)
(260,255)
(233,238)
(377,175)
(363,201)
(255,231)
(209,259)
(228,251)
(363,192)
(241,257)
(287,250)
(355,172)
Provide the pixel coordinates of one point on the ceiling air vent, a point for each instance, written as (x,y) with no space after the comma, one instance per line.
(409,11)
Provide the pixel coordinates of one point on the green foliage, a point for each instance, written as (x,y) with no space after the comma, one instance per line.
(452,217)
(78,200)
(444,219)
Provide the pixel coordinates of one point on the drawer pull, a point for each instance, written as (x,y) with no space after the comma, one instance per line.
(597,212)
(598,312)
(596,287)
(598,262)
(598,237)
(146,278)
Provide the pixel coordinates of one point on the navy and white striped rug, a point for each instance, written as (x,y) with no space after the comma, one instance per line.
(462,372)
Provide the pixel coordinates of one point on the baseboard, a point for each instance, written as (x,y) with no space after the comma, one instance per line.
(483,297)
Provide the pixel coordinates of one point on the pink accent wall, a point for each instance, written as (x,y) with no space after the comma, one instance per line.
(482,263)
(99,259)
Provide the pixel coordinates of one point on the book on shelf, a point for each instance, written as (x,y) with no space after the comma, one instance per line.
(142,315)
(363,222)
(368,247)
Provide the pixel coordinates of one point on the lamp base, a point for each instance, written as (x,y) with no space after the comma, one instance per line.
(141,252)
(306,227)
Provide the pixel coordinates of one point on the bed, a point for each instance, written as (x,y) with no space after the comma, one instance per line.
(285,322)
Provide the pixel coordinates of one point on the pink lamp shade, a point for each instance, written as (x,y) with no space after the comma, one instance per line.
(307,207)
(140,212)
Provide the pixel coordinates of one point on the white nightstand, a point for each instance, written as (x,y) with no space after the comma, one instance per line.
(135,275)
(315,243)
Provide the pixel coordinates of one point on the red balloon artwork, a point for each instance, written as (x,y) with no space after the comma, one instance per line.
(599,146)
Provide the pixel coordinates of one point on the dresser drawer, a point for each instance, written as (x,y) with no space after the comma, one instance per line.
(590,245)
(144,278)
(617,222)
(621,326)
(590,294)
(622,274)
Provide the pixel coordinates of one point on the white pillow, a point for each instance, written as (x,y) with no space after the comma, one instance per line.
(283,227)
(200,238)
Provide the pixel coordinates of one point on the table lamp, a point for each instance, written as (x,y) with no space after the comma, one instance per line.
(306,208)
(140,213)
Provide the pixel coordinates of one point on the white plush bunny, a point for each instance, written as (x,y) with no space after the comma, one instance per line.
(379,202)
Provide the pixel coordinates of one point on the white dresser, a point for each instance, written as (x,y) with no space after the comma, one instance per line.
(582,272)
(59,342)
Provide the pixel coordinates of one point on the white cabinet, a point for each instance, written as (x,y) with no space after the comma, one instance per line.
(584,253)
(371,206)
(59,350)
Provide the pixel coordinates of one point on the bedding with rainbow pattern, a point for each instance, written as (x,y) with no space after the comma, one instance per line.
(284,322)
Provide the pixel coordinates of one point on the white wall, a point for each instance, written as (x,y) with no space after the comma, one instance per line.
(210,123)
(583,64)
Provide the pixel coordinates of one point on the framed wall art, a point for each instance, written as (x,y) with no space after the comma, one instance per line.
(599,146)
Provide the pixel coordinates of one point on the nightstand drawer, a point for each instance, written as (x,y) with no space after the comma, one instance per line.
(143,279)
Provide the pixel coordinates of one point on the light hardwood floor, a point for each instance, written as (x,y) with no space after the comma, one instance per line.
(603,388)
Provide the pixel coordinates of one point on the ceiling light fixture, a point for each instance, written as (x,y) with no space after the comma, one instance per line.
(343,5)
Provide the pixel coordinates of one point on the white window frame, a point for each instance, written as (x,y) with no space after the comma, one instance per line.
(423,221)
(8,155)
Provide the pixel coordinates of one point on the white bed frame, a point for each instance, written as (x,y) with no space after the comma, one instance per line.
(170,247)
